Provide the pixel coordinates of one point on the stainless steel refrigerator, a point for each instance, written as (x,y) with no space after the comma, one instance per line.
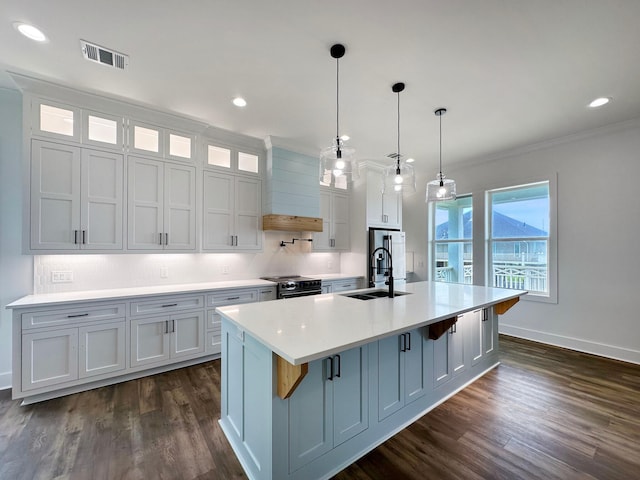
(378,267)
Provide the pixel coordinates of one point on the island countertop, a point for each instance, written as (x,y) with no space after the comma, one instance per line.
(304,329)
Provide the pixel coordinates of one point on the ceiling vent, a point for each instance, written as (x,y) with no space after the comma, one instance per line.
(104,56)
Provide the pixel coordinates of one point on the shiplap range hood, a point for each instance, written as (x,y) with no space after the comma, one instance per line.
(293,191)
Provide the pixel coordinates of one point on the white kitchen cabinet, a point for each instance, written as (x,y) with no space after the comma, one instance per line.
(163,338)
(334,210)
(329,407)
(383,209)
(61,346)
(450,352)
(49,358)
(101,349)
(341,285)
(402,376)
(76,198)
(161,205)
(232,213)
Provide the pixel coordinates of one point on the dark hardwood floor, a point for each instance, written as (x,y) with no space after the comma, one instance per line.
(544,413)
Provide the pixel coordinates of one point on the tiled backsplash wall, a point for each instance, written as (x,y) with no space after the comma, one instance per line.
(94,272)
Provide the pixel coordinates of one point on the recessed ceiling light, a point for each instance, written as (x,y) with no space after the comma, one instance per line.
(598,102)
(344,138)
(239,102)
(410,160)
(30,31)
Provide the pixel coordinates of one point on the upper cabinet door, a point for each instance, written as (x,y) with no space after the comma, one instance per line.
(340,217)
(179,207)
(218,197)
(146,139)
(383,210)
(248,213)
(103,130)
(101,200)
(55,120)
(321,240)
(55,196)
(145,204)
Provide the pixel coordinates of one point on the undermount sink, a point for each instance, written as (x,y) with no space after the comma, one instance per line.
(373,294)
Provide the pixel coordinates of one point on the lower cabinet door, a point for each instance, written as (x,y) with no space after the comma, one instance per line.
(390,384)
(350,394)
(149,340)
(49,358)
(311,416)
(101,349)
(489,331)
(415,375)
(442,369)
(187,334)
(475,327)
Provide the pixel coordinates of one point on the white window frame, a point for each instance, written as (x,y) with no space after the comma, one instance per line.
(552,246)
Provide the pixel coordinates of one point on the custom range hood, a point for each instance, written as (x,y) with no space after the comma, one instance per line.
(292,197)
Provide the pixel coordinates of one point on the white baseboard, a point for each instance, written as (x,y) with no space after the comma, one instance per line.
(5,380)
(580,345)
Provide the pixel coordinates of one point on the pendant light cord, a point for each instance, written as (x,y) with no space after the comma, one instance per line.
(338,101)
(441,182)
(398,158)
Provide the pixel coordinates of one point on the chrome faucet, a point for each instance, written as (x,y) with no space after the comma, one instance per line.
(374,267)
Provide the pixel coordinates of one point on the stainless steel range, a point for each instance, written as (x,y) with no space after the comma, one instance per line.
(290,286)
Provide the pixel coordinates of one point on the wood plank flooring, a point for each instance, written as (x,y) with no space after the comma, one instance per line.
(544,413)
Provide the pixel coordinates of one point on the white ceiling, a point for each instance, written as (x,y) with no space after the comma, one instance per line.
(510,72)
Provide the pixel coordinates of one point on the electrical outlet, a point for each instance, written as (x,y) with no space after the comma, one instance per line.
(225,269)
(164,272)
(61,277)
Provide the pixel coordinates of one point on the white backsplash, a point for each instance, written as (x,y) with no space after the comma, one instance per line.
(95,272)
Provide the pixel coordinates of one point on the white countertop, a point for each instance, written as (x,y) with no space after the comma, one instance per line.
(124,293)
(304,329)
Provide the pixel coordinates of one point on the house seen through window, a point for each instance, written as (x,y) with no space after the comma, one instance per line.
(519,237)
(453,241)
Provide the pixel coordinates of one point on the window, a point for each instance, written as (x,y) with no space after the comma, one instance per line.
(519,239)
(452,241)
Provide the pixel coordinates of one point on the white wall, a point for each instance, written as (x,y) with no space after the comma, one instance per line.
(94,272)
(598,235)
(16,274)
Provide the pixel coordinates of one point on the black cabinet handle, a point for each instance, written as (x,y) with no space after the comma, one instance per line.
(166,326)
(339,365)
(330,368)
(75,237)
(173,326)
(170,305)
(403,344)
(78,315)
(160,238)
(409,341)
(233,298)
(485,314)
(84,237)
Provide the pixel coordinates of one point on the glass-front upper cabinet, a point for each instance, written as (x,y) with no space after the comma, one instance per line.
(161,142)
(102,130)
(231,159)
(55,120)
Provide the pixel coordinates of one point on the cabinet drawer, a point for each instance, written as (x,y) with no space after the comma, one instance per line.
(70,316)
(213,320)
(214,342)
(166,305)
(345,285)
(232,297)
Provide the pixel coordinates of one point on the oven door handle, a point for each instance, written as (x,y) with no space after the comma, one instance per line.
(284,295)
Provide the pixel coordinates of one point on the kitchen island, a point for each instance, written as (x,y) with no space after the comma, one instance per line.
(311,384)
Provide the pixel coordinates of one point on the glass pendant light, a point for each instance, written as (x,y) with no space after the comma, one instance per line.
(441,188)
(337,162)
(400,177)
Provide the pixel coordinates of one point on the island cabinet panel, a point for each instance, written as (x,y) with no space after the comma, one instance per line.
(489,331)
(402,376)
(329,407)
